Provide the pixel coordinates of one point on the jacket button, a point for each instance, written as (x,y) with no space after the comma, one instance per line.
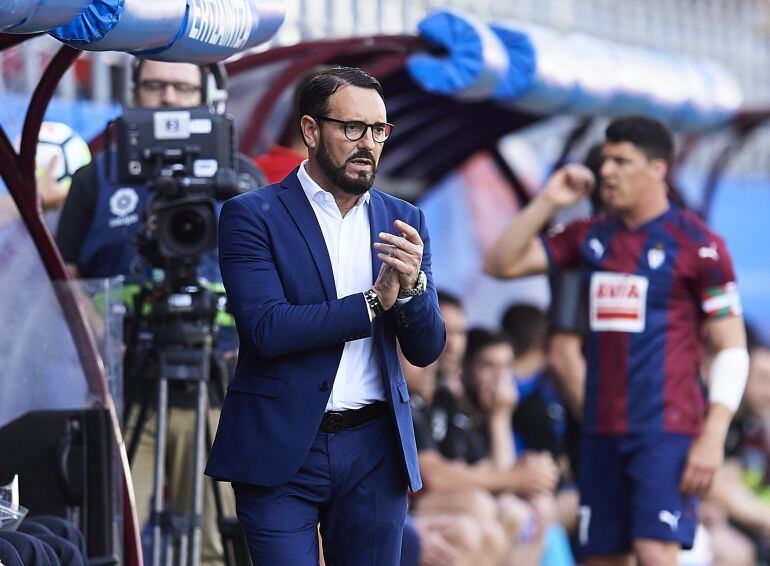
(325,386)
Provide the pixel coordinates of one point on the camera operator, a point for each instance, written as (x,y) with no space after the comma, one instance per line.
(96,236)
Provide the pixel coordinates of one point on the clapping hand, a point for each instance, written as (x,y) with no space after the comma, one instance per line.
(403,253)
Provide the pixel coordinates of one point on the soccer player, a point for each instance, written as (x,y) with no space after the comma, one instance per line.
(657,281)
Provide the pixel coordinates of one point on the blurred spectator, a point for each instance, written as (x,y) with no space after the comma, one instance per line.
(459,476)
(456,492)
(540,420)
(450,362)
(742,488)
(488,372)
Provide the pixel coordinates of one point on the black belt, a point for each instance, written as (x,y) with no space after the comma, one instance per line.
(335,421)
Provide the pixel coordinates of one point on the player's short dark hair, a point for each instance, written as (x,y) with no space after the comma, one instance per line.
(314,96)
(526,326)
(649,135)
(447,298)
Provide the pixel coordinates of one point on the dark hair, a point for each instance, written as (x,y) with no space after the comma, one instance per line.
(527,327)
(136,71)
(447,298)
(650,136)
(479,339)
(593,161)
(314,97)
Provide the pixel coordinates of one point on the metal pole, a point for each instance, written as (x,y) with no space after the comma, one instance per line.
(379,16)
(2,75)
(356,13)
(30,64)
(304,12)
(201,419)
(101,78)
(329,18)
(160,472)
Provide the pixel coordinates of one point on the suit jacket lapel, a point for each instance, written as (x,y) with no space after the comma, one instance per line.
(299,208)
(378,222)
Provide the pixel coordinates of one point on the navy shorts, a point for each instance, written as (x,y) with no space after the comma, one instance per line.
(629,489)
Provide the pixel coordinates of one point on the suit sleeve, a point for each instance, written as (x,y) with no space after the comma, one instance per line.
(419,326)
(256,297)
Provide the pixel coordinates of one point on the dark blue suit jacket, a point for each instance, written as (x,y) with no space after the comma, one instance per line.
(292,328)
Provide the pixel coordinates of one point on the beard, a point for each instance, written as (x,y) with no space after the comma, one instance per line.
(352,185)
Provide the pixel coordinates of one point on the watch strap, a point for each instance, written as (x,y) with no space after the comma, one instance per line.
(420,288)
(374,302)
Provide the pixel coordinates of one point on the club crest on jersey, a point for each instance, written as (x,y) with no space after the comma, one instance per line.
(656,256)
(597,247)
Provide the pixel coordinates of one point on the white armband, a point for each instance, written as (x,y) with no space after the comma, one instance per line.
(727,378)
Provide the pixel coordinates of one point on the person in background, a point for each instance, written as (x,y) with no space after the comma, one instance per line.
(655,276)
(540,422)
(96,236)
(741,493)
(316,427)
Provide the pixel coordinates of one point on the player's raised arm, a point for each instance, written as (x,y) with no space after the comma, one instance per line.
(518,251)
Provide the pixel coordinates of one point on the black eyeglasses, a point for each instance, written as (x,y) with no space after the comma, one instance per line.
(355,130)
(157,86)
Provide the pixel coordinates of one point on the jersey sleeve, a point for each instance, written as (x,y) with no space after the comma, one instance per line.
(716,280)
(563,245)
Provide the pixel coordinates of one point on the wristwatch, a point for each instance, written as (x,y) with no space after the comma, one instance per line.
(419,289)
(374,302)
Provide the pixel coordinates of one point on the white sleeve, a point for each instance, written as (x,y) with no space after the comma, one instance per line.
(727,377)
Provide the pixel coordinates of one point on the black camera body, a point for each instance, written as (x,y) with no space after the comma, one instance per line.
(187,157)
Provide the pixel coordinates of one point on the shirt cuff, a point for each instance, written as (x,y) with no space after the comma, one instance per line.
(403,301)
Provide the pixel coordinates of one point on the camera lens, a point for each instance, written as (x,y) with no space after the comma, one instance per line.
(188,227)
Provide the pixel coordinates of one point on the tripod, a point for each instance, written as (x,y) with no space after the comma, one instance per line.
(178,334)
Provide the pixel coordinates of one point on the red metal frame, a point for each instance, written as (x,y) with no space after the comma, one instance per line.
(18,171)
(404,43)
(306,55)
(744,125)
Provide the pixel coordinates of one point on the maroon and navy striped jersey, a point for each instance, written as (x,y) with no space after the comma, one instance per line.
(649,291)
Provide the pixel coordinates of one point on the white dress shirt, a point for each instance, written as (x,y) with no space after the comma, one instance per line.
(348,241)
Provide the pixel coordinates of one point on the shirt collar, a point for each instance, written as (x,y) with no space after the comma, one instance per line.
(313,190)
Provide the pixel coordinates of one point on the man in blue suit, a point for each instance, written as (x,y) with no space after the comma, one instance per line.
(324,274)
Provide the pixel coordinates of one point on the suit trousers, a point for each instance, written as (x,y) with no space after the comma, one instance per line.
(353,482)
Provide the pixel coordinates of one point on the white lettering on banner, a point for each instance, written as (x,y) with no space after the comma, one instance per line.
(224,24)
(618,302)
